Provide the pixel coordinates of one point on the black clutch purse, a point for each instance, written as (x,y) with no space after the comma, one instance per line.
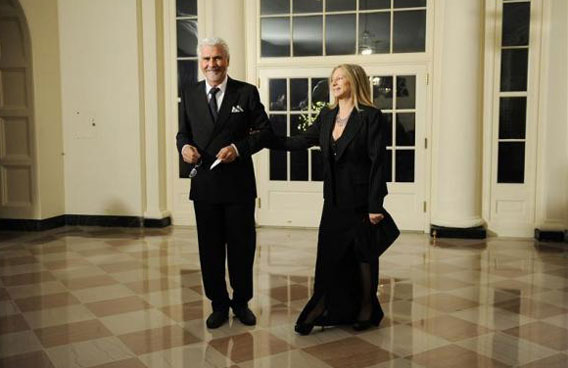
(374,240)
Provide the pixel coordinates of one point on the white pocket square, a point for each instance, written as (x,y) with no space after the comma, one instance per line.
(237,108)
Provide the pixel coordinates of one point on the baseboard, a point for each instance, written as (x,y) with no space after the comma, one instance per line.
(158,223)
(477,232)
(550,235)
(32,225)
(82,220)
(106,221)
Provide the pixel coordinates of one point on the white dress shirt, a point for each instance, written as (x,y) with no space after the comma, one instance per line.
(219,96)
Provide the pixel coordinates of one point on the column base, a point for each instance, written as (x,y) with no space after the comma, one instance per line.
(551,235)
(477,232)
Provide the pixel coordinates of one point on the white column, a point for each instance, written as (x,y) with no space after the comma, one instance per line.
(152,121)
(228,24)
(456,151)
(552,178)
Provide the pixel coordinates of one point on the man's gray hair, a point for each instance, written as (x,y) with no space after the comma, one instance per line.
(214,41)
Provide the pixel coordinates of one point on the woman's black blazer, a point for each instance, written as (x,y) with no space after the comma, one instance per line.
(359,157)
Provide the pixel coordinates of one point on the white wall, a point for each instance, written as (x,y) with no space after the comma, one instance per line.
(100,86)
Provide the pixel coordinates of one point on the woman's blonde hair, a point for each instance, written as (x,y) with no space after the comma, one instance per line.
(359,82)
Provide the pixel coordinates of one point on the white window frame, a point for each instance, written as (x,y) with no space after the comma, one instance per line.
(290,15)
(509,208)
(177,194)
(422,61)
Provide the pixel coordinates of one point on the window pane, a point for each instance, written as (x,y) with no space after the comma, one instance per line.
(298,94)
(277,94)
(374,33)
(187,73)
(186,8)
(187,37)
(387,121)
(404,169)
(511,162)
(516,24)
(382,92)
(307,6)
(320,90)
(317,165)
(409,31)
(298,159)
(279,125)
(374,4)
(299,166)
(406,92)
(275,37)
(308,36)
(409,3)
(512,117)
(340,34)
(388,166)
(405,129)
(278,158)
(274,6)
(514,65)
(339,5)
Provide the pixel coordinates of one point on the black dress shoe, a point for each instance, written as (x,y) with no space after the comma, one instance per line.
(245,315)
(304,328)
(217,319)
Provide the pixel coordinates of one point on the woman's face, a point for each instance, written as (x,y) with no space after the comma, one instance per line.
(340,86)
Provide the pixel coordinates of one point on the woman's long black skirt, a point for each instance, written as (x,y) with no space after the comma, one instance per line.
(342,246)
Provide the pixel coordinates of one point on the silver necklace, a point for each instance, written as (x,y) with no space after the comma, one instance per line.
(341,122)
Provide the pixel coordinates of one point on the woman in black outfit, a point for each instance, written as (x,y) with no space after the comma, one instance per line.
(350,134)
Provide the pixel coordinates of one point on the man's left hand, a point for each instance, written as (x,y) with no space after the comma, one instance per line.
(227,154)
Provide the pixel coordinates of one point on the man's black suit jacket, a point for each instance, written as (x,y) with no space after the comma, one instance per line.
(241,113)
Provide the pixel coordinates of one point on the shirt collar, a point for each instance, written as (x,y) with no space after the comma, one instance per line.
(222,86)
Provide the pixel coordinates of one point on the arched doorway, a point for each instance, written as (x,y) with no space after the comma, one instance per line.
(18,197)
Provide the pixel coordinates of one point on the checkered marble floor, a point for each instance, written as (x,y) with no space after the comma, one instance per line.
(131,298)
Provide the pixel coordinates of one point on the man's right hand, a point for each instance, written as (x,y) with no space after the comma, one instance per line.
(190,154)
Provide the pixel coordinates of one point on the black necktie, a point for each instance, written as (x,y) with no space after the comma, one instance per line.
(213,102)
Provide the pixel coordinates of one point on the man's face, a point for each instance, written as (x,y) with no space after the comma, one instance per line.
(213,64)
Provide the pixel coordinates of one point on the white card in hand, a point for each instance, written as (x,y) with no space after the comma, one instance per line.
(217,162)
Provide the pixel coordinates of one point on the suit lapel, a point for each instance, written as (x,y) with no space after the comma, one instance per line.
(203,127)
(225,110)
(351,129)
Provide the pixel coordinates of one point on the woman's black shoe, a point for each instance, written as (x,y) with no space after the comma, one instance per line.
(362,325)
(374,321)
(304,328)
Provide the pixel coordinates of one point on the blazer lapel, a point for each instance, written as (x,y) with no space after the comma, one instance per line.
(351,129)
(203,127)
(325,134)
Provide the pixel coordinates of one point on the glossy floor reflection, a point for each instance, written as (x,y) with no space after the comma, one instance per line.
(129,298)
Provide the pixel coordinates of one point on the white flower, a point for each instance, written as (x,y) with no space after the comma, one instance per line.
(306,120)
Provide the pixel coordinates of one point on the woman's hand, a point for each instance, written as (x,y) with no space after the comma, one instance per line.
(375,218)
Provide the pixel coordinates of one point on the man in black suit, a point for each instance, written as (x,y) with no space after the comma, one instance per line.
(217,116)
